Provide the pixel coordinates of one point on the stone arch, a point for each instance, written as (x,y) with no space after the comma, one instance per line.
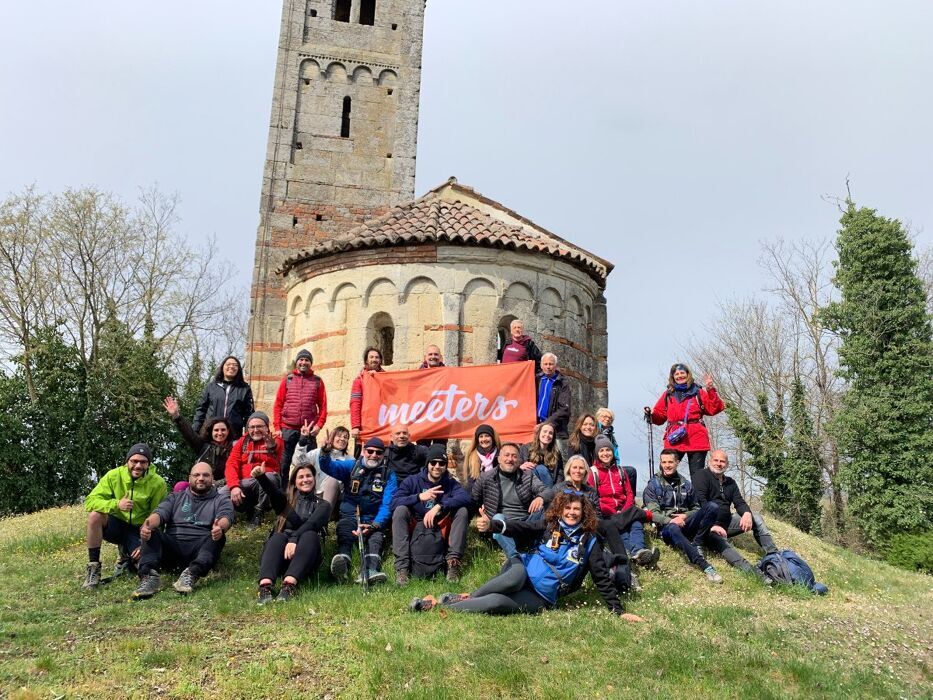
(550,311)
(477,313)
(343,292)
(380,333)
(336,72)
(296,307)
(388,78)
(381,286)
(415,283)
(316,297)
(362,75)
(309,69)
(520,290)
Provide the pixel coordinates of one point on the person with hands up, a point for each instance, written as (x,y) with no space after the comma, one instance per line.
(258,446)
(212,444)
(305,455)
(369,484)
(430,514)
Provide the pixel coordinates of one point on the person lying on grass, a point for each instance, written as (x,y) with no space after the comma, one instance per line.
(296,544)
(567,550)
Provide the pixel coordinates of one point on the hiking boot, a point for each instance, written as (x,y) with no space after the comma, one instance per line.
(148,586)
(339,566)
(422,604)
(636,584)
(264,595)
(401,578)
(123,565)
(92,576)
(647,557)
(254,522)
(185,582)
(286,593)
(375,576)
(450,598)
(712,575)
(453,569)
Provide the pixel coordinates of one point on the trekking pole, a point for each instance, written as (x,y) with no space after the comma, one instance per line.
(650,447)
(364,571)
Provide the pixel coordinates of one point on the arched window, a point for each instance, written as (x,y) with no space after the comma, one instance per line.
(380,333)
(503,333)
(368,12)
(345,119)
(342,10)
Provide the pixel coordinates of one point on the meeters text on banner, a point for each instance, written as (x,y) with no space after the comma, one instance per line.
(451,402)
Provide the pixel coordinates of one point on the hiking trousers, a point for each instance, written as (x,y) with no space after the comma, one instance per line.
(507,593)
(307,559)
(689,538)
(721,544)
(164,551)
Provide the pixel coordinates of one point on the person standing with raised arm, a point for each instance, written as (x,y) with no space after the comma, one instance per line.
(301,399)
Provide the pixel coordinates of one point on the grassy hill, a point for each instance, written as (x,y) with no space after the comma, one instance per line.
(871,637)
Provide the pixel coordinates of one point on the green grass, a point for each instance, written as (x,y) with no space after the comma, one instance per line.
(871,637)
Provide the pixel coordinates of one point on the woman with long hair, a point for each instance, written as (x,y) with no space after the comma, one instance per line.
(295,546)
(483,453)
(212,444)
(542,455)
(567,550)
(582,440)
(228,396)
(682,406)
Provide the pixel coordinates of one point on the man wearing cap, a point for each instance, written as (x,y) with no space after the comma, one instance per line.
(301,400)
(368,487)
(117,506)
(435,503)
(257,447)
(194,522)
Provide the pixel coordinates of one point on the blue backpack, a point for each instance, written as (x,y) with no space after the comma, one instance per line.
(789,568)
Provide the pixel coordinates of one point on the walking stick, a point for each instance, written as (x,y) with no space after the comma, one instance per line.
(650,446)
(364,571)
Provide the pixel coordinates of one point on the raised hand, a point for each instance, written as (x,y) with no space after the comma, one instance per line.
(306,429)
(708,381)
(257,471)
(431,494)
(171,405)
(328,443)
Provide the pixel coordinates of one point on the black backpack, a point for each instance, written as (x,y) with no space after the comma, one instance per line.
(427,547)
(620,571)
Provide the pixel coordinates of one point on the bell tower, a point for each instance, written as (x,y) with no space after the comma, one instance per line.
(341,149)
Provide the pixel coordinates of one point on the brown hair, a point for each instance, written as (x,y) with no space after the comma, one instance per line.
(556,511)
(539,454)
(670,377)
(291,494)
(574,441)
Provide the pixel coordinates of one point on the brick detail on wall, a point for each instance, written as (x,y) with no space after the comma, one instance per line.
(449,327)
(396,255)
(566,341)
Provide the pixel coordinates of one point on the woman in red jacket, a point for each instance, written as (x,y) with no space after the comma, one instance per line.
(682,407)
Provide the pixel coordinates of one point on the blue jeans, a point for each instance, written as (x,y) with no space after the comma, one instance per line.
(544,475)
(634,537)
(689,538)
(507,543)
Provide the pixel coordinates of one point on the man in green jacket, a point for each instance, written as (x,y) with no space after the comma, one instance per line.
(118,505)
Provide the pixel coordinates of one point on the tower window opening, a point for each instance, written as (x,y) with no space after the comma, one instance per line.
(380,333)
(299,146)
(318,217)
(342,10)
(389,91)
(313,13)
(294,221)
(368,12)
(394,27)
(345,119)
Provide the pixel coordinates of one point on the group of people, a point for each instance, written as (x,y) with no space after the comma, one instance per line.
(559,507)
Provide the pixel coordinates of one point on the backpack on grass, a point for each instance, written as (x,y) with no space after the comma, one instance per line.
(788,567)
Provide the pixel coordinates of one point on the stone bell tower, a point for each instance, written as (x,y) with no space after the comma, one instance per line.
(341,150)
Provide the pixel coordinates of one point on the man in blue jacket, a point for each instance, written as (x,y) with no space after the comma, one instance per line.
(438,505)
(370,484)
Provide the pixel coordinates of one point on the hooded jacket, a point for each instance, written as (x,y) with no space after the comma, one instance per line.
(373,494)
(666,497)
(453,497)
(356,399)
(246,453)
(146,492)
(612,485)
(691,405)
(224,400)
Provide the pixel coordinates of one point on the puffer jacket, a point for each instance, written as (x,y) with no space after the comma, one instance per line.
(612,485)
(487,492)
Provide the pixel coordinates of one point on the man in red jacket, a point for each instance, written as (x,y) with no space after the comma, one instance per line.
(372,362)
(301,399)
(257,447)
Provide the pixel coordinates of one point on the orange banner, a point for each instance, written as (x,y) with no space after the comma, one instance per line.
(452,402)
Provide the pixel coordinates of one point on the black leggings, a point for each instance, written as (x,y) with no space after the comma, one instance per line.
(695,460)
(508,593)
(307,559)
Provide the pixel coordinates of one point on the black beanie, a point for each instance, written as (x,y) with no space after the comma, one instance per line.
(140,448)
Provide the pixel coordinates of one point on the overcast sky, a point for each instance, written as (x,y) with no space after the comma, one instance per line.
(667,137)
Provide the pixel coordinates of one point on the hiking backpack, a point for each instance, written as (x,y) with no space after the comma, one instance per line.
(789,568)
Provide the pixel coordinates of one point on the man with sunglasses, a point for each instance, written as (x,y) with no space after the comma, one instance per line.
(117,506)
(435,503)
(368,485)
(194,522)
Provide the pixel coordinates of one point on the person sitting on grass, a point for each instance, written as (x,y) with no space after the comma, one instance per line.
(566,549)
(326,487)
(195,521)
(116,507)
(258,446)
(683,523)
(296,544)
(368,487)
(438,507)
(615,497)
(212,444)
(507,492)
(543,456)
(713,486)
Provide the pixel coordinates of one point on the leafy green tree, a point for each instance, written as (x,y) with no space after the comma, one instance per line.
(884,427)
(764,442)
(802,471)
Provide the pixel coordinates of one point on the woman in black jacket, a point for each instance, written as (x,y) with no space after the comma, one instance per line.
(228,396)
(211,445)
(296,544)
(582,440)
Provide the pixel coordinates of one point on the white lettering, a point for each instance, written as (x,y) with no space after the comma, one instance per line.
(450,405)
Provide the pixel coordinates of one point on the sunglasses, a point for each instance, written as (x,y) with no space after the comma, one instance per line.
(435,462)
(573,492)
(373,451)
